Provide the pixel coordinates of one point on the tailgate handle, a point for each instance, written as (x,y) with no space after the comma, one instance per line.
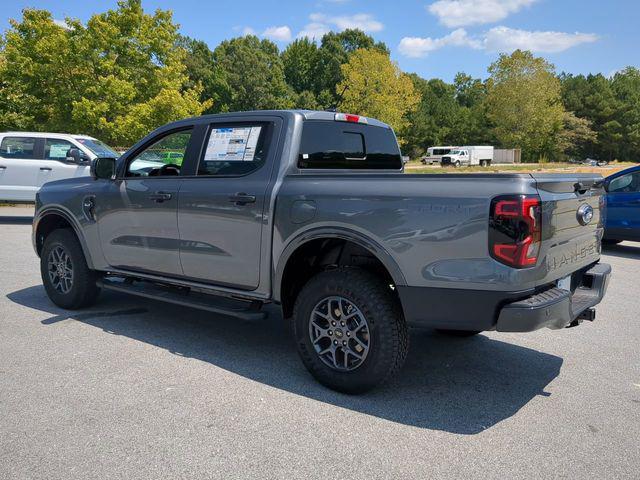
(45,169)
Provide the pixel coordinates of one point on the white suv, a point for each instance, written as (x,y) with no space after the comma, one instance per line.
(28,160)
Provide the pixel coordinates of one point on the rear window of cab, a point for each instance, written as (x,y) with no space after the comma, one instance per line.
(343,145)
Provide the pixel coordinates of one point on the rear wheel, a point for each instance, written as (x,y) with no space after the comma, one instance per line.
(483,163)
(67,279)
(349,330)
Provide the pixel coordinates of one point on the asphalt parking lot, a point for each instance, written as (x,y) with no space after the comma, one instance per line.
(137,389)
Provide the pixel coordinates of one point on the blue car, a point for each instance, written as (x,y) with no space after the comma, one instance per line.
(623,206)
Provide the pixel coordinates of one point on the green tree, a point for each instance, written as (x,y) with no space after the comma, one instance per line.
(432,121)
(202,70)
(300,63)
(374,86)
(254,74)
(626,88)
(576,133)
(335,50)
(472,126)
(118,77)
(37,75)
(592,98)
(524,103)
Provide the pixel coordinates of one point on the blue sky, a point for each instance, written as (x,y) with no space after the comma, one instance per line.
(434,38)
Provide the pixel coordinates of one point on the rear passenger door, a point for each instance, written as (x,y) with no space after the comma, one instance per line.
(221,203)
(20,163)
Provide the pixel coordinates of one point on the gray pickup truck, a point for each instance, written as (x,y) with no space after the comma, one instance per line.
(312,211)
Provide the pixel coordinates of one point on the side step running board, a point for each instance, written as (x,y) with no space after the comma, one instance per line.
(219,305)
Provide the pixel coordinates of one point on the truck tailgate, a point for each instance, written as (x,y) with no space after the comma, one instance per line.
(571,222)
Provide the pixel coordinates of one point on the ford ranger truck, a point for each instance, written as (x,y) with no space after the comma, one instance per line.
(312,211)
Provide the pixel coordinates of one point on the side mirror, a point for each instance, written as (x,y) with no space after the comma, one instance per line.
(75,155)
(103,168)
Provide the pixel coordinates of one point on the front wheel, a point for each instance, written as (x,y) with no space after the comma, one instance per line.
(349,330)
(457,164)
(67,279)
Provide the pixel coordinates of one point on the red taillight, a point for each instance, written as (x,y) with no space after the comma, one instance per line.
(515,230)
(348,117)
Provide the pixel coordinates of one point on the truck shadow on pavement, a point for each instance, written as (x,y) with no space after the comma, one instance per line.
(17,220)
(455,385)
(627,250)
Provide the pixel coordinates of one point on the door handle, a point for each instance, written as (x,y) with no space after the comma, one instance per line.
(45,169)
(160,197)
(242,198)
(2,167)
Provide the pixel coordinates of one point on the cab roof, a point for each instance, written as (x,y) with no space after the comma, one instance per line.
(48,134)
(306,114)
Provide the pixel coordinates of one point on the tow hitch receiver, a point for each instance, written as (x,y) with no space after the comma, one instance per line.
(589,314)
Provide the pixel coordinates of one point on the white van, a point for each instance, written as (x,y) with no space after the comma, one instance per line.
(30,159)
(434,155)
(473,155)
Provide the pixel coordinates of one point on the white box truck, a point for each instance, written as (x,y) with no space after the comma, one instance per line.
(471,155)
(434,155)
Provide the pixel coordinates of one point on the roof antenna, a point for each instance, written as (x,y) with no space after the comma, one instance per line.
(334,108)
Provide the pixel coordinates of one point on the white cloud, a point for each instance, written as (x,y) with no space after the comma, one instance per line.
(321,24)
(279,34)
(248,31)
(61,23)
(498,39)
(459,13)
(314,30)
(504,39)
(416,47)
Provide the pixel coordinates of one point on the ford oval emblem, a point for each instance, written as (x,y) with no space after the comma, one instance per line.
(585,214)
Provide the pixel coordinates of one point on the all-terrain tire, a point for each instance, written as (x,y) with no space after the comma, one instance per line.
(387,330)
(82,291)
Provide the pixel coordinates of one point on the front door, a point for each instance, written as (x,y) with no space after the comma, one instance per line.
(55,164)
(220,211)
(137,213)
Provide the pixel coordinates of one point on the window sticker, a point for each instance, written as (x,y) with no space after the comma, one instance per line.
(232,144)
(59,150)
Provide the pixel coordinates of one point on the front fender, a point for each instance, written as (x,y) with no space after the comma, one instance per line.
(65,214)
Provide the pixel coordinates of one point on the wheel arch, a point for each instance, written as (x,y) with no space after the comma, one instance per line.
(323,244)
(52,219)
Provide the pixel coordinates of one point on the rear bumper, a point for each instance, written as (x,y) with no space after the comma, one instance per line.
(556,308)
(517,311)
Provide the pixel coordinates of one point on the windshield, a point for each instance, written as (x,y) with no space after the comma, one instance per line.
(99,148)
